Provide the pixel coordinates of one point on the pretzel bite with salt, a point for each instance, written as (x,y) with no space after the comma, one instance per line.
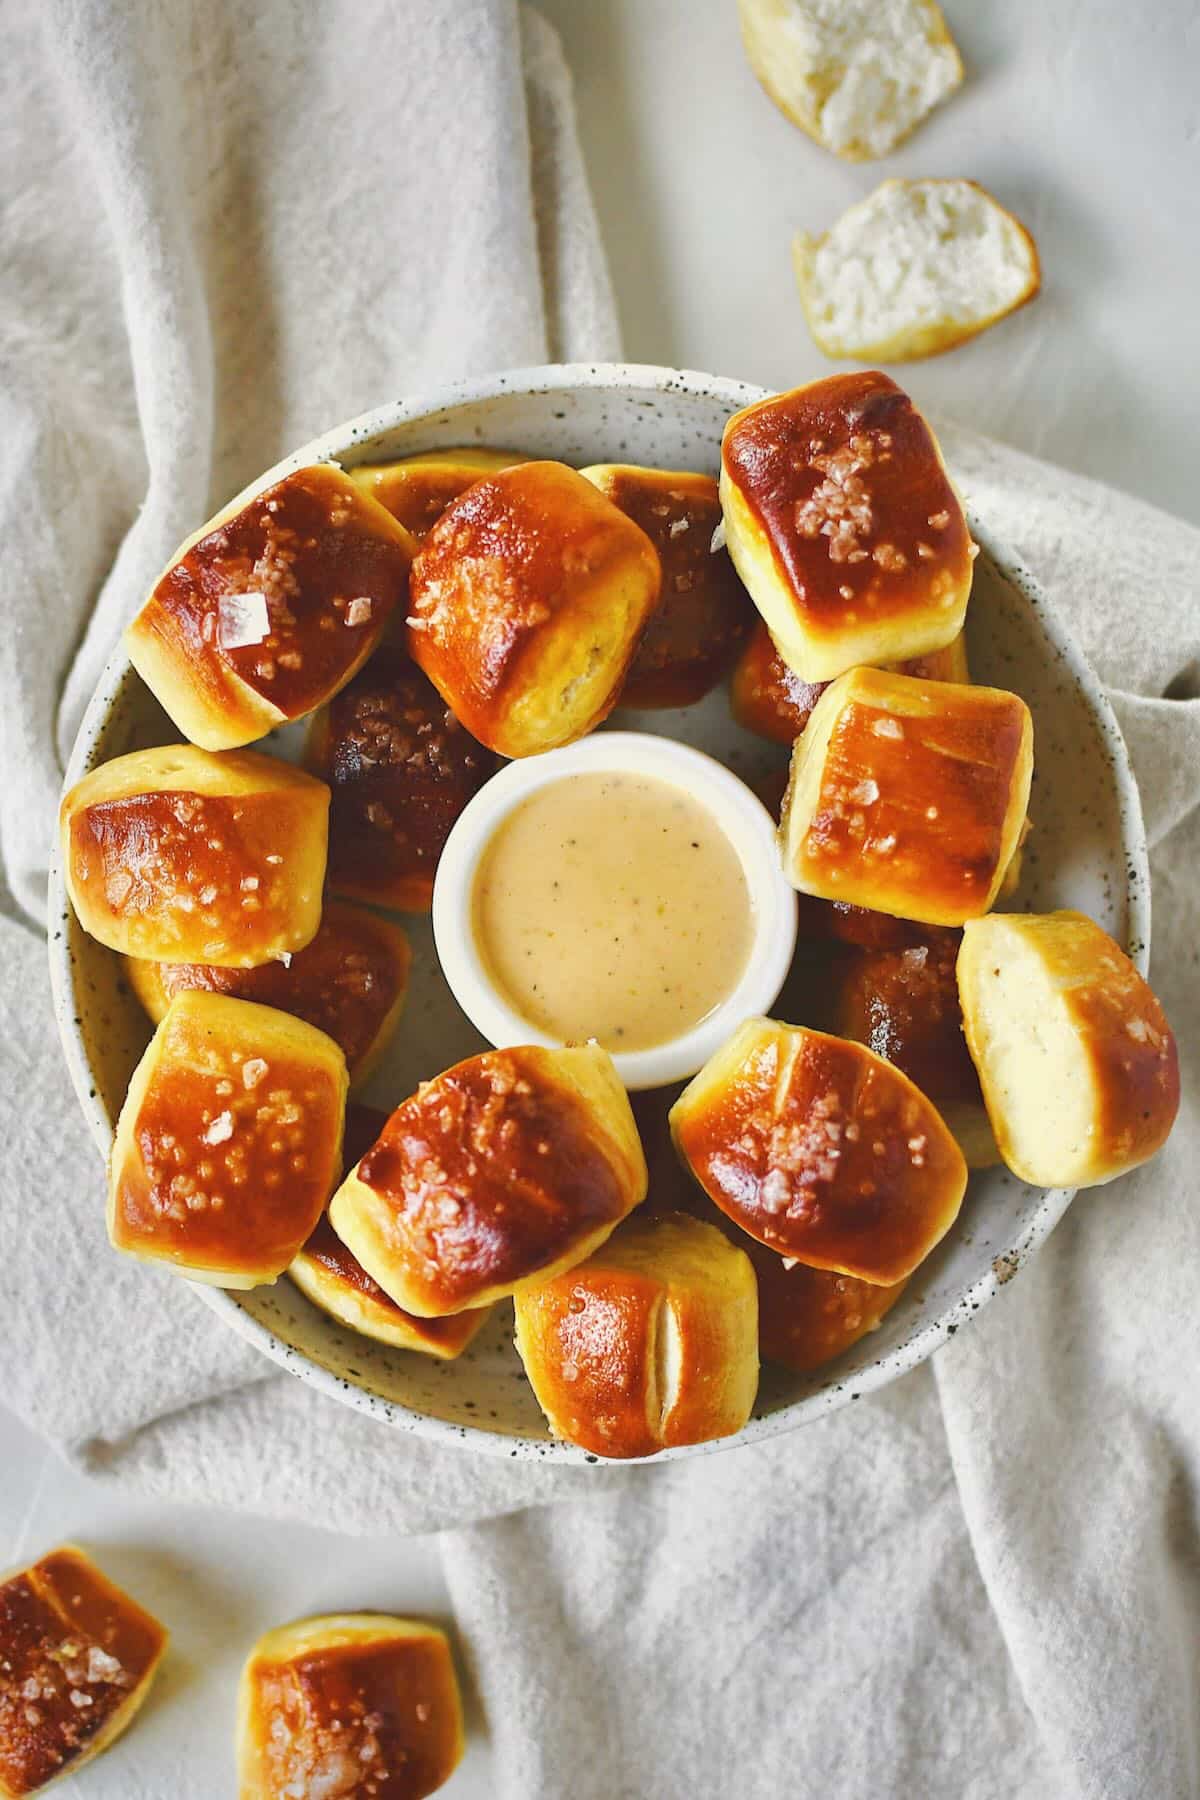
(704,612)
(178,855)
(418,489)
(903,1004)
(77,1657)
(908,797)
(768,698)
(650,1343)
(528,600)
(334,1280)
(508,1168)
(1079,1067)
(843,524)
(270,607)
(821,1150)
(349,982)
(349,1706)
(229,1141)
(806,1316)
(400,769)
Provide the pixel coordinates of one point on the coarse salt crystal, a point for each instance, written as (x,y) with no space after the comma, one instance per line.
(242,619)
(866,793)
(101,1666)
(285,957)
(358,611)
(677,526)
(221,1129)
(253,1071)
(717,541)
(888,727)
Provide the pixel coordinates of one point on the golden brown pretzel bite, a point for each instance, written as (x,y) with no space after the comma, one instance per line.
(180,855)
(400,769)
(418,489)
(821,1150)
(229,1141)
(1079,1066)
(270,607)
(351,1706)
(843,524)
(908,797)
(349,982)
(528,599)
(507,1168)
(77,1657)
(704,612)
(767,697)
(652,1342)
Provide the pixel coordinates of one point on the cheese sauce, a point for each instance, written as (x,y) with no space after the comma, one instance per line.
(612,906)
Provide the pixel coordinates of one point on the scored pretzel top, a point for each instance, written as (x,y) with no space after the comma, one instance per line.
(821,1151)
(494,1169)
(329,577)
(845,480)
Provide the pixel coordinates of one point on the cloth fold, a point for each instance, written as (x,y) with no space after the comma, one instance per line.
(234,224)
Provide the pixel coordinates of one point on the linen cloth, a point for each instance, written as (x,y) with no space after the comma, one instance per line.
(226,227)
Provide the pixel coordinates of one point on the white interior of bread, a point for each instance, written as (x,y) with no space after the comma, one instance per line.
(668,1367)
(804,781)
(1037,1077)
(915,260)
(858,74)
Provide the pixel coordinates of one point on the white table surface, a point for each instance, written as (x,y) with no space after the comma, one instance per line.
(1086,121)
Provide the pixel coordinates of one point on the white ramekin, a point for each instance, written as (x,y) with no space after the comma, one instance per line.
(741,816)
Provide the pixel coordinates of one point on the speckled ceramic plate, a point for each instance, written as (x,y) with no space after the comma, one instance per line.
(1088,851)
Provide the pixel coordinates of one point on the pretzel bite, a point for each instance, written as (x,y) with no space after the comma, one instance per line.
(229,1141)
(652,1342)
(806,1316)
(527,603)
(349,1706)
(181,856)
(400,769)
(508,1168)
(349,982)
(908,797)
(704,612)
(821,1150)
(767,697)
(270,607)
(843,524)
(1079,1067)
(334,1280)
(77,1657)
(903,1004)
(418,489)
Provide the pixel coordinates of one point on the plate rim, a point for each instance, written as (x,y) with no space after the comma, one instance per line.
(335,443)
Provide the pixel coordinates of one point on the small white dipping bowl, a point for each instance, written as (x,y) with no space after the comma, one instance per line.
(745,822)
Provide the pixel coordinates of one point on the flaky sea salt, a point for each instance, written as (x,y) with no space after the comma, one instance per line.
(242,619)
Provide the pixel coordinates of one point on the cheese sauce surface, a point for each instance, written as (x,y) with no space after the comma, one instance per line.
(612,906)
